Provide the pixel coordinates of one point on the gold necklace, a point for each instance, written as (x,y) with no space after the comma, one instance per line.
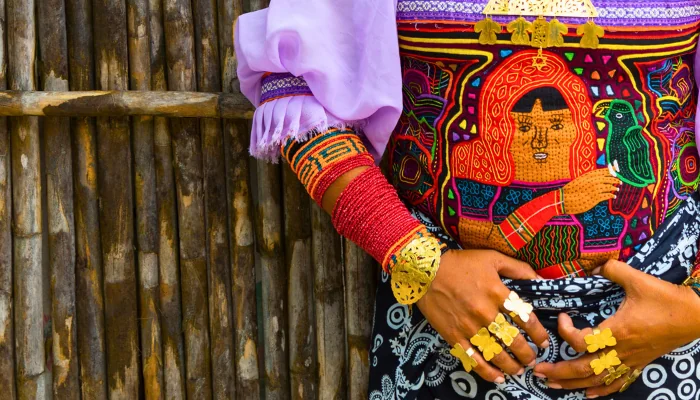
(541,32)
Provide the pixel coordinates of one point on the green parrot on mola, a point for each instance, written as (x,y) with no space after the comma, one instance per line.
(627,152)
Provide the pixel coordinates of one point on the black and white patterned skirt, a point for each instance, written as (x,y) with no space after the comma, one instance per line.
(409,359)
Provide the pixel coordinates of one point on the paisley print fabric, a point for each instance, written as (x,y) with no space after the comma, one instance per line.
(409,360)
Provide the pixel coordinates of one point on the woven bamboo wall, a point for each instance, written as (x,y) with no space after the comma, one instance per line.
(144,254)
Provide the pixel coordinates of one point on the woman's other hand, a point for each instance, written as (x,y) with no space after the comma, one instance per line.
(655,318)
(467,295)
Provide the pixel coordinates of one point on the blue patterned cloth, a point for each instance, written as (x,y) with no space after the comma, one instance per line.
(409,359)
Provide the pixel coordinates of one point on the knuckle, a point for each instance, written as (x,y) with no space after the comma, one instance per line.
(584,370)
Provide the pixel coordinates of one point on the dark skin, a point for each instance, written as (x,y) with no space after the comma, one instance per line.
(645,327)
(457,314)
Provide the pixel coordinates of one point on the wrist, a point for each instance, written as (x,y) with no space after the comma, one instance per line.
(691,301)
(415,267)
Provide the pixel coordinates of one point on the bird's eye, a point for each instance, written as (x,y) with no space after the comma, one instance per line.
(618,115)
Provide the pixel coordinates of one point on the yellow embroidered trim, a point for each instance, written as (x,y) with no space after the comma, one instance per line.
(541,33)
(563,8)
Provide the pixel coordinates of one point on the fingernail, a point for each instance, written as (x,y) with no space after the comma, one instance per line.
(522,371)
(553,385)
(532,363)
(539,278)
(592,396)
(596,271)
(545,344)
(500,380)
(541,376)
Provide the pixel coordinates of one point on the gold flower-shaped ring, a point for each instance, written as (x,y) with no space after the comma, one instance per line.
(486,344)
(518,307)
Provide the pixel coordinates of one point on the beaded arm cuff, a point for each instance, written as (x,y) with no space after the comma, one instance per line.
(368,211)
(322,159)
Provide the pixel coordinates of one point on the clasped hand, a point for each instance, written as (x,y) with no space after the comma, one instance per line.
(462,300)
(655,318)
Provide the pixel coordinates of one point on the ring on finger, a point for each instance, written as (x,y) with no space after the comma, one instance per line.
(605,361)
(487,344)
(517,307)
(630,380)
(465,356)
(598,340)
(503,330)
(615,374)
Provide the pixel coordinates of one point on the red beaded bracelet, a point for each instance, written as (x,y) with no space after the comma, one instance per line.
(370,213)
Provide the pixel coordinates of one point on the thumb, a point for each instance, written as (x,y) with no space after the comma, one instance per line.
(509,267)
(620,273)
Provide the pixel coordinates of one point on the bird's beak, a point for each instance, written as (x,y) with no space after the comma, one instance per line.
(601,108)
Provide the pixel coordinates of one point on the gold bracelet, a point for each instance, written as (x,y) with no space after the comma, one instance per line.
(415,268)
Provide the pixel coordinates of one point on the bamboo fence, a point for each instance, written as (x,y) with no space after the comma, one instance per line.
(143,253)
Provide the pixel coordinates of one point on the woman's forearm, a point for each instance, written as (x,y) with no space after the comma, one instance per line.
(340,175)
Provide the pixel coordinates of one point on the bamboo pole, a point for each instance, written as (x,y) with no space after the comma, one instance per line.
(273,274)
(209,78)
(116,202)
(7,340)
(32,376)
(274,281)
(121,103)
(59,185)
(328,294)
(187,148)
(360,283)
(146,208)
(302,339)
(171,309)
(240,208)
(89,273)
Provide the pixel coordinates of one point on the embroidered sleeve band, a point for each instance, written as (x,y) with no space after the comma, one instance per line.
(322,159)
(277,86)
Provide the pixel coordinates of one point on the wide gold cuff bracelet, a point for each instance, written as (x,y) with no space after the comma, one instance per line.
(415,268)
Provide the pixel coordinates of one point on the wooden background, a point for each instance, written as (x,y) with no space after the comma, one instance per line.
(147,256)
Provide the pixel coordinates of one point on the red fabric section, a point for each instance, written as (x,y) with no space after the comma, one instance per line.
(523,224)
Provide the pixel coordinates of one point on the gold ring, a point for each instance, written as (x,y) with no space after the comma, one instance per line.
(630,380)
(599,340)
(466,357)
(605,361)
(517,307)
(486,344)
(503,330)
(615,374)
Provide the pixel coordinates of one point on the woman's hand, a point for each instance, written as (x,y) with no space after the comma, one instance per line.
(655,318)
(467,295)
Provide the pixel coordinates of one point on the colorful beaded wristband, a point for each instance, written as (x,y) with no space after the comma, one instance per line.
(322,159)
(368,211)
(389,233)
